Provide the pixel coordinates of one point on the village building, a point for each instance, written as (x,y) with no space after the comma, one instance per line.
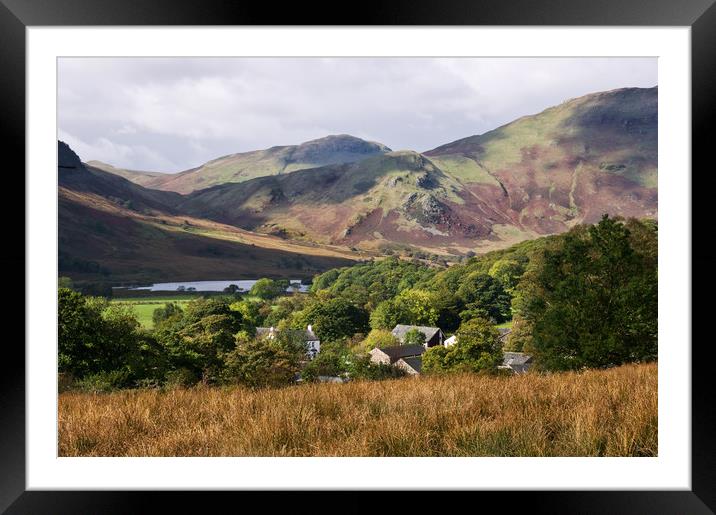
(390,355)
(412,365)
(312,342)
(433,335)
(409,357)
(518,362)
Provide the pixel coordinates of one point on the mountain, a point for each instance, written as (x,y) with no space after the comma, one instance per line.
(248,165)
(346,199)
(136,176)
(398,197)
(568,164)
(540,174)
(75,175)
(112,230)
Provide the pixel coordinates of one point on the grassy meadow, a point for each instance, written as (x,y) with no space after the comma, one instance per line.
(145,304)
(609,412)
(144,307)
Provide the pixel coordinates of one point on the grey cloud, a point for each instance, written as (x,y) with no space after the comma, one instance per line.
(170,114)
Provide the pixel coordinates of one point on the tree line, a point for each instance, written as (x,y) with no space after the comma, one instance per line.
(585,298)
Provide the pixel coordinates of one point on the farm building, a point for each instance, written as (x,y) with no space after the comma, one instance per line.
(412,365)
(313,344)
(433,335)
(389,355)
(519,362)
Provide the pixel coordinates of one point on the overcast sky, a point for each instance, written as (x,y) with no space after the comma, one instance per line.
(171,114)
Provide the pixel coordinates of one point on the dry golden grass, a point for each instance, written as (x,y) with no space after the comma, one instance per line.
(594,413)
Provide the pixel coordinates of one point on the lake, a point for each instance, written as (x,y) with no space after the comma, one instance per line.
(244,285)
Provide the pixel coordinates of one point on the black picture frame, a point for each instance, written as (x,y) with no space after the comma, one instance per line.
(16,15)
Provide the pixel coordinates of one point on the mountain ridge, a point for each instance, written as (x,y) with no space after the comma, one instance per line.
(241,166)
(540,174)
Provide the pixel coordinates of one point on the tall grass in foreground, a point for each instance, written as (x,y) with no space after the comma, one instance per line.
(593,413)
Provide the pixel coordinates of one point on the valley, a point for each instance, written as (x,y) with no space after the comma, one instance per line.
(294,211)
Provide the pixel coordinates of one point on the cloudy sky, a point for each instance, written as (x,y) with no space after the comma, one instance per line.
(171,114)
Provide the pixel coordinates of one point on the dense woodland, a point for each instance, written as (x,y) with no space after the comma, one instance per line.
(583,299)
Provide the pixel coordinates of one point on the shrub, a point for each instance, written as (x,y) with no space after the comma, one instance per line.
(181,377)
(362,368)
(379,338)
(104,381)
(414,337)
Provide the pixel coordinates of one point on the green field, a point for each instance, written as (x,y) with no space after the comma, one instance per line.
(144,306)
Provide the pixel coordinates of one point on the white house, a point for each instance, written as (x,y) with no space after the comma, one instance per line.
(310,339)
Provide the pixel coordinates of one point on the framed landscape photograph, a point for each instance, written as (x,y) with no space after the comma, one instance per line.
(367,257)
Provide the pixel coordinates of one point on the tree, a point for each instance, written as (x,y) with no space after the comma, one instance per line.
(478,346)
(325,280)
(484,294)
(520,337)
(435,360)
(385,316)
(232,289)
(362,368)
(65,282)
(253,312)
(170,309)
(508,272)
(93,335)
(418,307)
(333,360)
(592,297)
(268,289)
(379,338)
(333,319)
(414,337)
(477,349)
(262,362)
(200,339)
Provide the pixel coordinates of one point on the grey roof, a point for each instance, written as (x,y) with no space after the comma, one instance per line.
(400,330)
(415,362)
(515,358)
(403,351)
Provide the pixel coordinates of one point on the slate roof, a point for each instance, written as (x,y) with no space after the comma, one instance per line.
(515,358)
(400,330)
(415,362)
(504,332)
(403,351)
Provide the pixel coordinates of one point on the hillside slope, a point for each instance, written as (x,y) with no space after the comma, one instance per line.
(396,198)
(112,230)
(248,165)
(136,176)
(570,163)
(540,174)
